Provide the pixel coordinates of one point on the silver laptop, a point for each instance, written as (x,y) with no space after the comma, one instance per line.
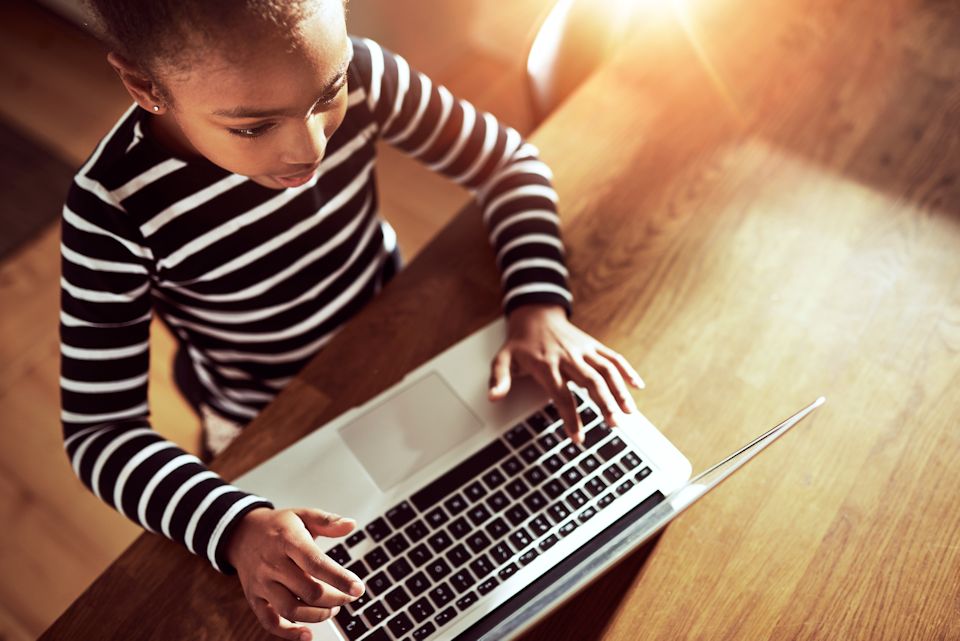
(475,519)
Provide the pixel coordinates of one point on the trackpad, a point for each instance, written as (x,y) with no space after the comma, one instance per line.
(410,430)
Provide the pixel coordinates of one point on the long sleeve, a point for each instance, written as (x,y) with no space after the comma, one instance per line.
(474,149)
(106,310)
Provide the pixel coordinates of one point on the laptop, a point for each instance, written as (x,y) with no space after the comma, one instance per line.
(476,519)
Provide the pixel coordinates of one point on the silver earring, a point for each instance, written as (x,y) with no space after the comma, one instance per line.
(156,107)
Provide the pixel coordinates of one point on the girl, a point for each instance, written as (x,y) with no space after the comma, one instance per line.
(236,200)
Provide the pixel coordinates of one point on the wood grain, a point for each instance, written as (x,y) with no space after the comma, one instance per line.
(761,206)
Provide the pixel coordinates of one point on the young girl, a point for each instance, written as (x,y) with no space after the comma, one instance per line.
(236,201)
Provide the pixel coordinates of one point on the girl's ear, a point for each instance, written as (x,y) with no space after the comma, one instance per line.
(138,84)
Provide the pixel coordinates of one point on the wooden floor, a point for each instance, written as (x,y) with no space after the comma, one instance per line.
(56,87)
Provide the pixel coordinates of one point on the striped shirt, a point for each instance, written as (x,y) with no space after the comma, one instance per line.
(254,281)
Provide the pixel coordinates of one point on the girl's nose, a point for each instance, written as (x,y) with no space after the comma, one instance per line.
(306,144)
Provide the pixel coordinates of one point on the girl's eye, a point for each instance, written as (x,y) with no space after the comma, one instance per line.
(251,132)
(330,98)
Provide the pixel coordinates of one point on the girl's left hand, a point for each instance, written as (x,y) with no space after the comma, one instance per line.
(542,343)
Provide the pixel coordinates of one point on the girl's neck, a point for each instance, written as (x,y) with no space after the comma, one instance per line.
(165,131)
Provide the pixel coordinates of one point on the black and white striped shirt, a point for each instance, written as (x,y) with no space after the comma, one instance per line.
(255,281)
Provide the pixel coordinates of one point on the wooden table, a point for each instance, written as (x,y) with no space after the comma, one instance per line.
(762,205)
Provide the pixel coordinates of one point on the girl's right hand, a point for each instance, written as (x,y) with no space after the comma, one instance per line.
(285,576)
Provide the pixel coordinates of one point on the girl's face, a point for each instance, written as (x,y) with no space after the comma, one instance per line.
(267,111)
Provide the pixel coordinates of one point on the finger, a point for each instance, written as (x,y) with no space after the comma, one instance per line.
(586,376)
(304,552)
(623,365)
(286,605)
(500,375)
(320,523)
(614,380)
(277,626)
(309,590)
(551,380)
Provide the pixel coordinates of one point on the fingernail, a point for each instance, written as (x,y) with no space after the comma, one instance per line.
(639,382)
(305,635)
(356,588)
(335,610)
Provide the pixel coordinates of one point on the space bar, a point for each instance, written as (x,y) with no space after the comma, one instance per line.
(445,485)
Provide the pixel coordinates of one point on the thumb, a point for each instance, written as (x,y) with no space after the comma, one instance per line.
(500,375)
(320,523)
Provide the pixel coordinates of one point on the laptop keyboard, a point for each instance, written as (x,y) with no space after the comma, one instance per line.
(432,557)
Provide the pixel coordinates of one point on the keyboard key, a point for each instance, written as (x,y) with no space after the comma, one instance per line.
(416,531)
(498,501)
(624,487)
(467,600)
(396,544)
(517,488)
(571,476)
(470,468)
(353,627)
(440,541)
(397,598)
(553,488)
(528,556)
(442,595)
(375,558)
(437,569)
(494,479)
(400,625)
(595,434)
(462,580)
(487,586)
(458,555)
(481,567)
(605,500)
(424,631)
(595,486)
(589,463)
(552,413)
(355,538)
(478,514)
(420,555)
(613,473)
(378,530)
(530,453)
(376,614)
(478,541)
(558,512)
(538,422)
(339,554)
(570,451)
(455,504)
(475,491)
(642,474)
(587,415)
(587,514)
(507,571)
(445,617)
(520,539)
(417,584)
(535,476)
(358,568)
(518,435)
(539,525)
(379,583)
(630,460)
(497,528)
(535,501)
(552,464)
(548,542)
(359,603)
(399,569)
(459,528)
(500,553)
(517,514)
(380,634)
(400,515)
(436,517)
(568,527)
(421,609)
(576,499)
(611,448)
(512,466)
(548,441)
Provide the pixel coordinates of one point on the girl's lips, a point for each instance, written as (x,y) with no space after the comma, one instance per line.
(296,181)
